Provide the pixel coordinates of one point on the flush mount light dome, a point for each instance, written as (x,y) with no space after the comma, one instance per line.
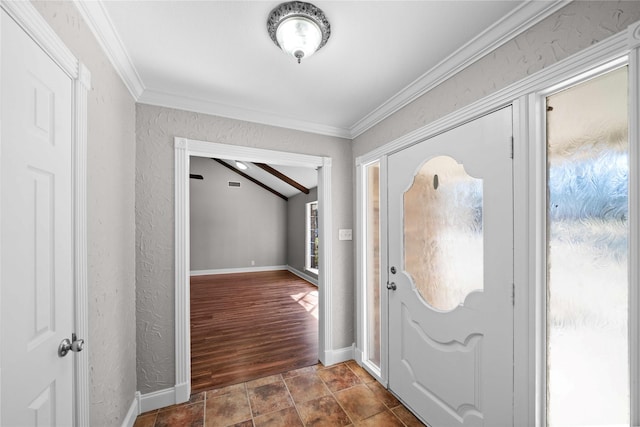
(298,28)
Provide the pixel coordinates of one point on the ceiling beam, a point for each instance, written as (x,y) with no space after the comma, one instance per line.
(283,177)
(255,181)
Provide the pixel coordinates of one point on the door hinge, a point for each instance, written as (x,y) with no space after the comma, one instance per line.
(513,294)
(512,147)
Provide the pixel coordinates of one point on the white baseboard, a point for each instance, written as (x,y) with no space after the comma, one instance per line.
(183,392)
(357,354)
(133,412)
(157,399)
(303,275)
(237,270)
(331,357)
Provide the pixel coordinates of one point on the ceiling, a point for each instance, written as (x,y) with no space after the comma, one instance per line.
(308,177)
(216,56)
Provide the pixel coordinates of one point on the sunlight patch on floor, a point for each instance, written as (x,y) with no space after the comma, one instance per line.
(308,300)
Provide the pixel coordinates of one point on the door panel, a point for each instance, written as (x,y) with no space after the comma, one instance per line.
(36,250)
(451,243)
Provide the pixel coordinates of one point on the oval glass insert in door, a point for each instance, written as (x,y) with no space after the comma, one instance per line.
(443,235)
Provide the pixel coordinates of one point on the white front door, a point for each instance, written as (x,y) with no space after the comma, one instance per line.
(451,264)
(36,258)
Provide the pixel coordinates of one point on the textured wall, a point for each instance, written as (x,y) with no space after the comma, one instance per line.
(155,129)
(232,226)
(296,229)
(573,28)
(110,206)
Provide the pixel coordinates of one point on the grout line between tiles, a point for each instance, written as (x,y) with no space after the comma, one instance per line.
(295,406)
(336,397)
(332,393)
(204,411)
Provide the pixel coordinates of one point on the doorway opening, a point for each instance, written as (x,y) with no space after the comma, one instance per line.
(186,148)
(254,296)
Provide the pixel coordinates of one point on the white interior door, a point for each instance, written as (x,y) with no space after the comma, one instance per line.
(36,257)
(451,263)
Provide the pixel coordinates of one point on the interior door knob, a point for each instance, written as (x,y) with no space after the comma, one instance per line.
(66,345)
(391,286)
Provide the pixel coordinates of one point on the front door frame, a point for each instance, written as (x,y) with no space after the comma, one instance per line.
(529,400)
(184,148)
(30,20)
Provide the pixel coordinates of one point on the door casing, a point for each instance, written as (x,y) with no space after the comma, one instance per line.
(184,148)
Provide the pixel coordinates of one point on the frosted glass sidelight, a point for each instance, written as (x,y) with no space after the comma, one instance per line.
(372,262)
(587,235)
(443,236)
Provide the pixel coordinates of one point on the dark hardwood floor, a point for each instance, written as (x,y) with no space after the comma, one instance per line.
(250,325)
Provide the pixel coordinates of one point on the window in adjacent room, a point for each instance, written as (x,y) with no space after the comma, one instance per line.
(311,238)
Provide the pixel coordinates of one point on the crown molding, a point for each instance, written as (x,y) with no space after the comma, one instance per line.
(513,24)
(516,22)
(100,24)
(169,100)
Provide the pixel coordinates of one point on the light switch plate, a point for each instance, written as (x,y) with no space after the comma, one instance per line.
(345,234)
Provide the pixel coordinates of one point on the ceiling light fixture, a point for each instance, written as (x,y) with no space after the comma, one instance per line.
(298,28)
(241,165)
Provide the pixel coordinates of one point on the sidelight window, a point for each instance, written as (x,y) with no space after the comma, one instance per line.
(587,253)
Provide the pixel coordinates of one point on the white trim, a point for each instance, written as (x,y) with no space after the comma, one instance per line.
(100,24)
(133,412)
(596,55)
(30,20)
(331,357)
(26,15)
(82,85)
(357,354)
(302,275)
(360,237)
(184,148)
(523,359)
(516,22)
(384,268)
(249,154)
(634,220)
(237,270)
(157,399)
(182,102)
(182,262)
(325,263)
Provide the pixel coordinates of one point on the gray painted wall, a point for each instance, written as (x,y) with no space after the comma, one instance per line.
(296,229)
(111,224)
(155,129)
(232,226)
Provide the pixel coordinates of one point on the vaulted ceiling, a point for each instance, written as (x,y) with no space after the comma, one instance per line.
(216,56)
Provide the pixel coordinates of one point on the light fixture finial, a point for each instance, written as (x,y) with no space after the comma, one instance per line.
(298,28)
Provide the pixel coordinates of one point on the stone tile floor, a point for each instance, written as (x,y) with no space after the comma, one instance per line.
(339,395)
